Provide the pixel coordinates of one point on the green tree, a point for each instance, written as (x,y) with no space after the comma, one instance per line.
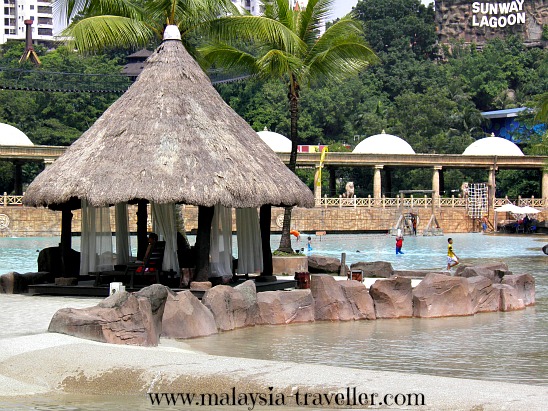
(103,24)
(303,58)
(402,24)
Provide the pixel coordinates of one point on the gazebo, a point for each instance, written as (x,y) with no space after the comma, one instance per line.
(171,139)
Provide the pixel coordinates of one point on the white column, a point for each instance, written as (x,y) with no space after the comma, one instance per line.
(436,184)
(317,186)
(492,185)
(544,192)
(377,182)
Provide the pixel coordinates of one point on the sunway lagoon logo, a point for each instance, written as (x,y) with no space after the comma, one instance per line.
(497,15)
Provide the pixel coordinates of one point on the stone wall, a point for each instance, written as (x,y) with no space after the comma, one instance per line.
(42,222)
(464,20)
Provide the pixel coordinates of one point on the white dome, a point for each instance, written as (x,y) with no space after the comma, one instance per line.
(493,146)
(11,136)
(277,142)
(384,144)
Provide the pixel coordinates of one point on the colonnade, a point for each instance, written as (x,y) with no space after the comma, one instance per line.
(437,179)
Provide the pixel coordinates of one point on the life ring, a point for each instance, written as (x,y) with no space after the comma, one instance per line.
(295,233)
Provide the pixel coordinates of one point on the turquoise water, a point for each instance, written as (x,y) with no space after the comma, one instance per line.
(508,347)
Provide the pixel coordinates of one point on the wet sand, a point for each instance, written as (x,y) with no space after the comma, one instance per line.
(35,363)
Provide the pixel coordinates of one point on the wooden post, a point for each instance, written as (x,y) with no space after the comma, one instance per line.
(66,240)
(343,265)
(265,217)
(203,242)
(142,241)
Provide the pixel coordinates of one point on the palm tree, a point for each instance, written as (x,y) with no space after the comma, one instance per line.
(99,24)
(303,57)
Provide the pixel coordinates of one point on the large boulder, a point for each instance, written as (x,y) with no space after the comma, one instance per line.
(493,271)
(374,269)
(15,283)
(485,298)
(122,318)
(324,265)
(440,295)
(233,307)
(186,317)
(330,302)
(524,285)
(284,307)
(509,298)
(360,301)
(393,297)
(49,259)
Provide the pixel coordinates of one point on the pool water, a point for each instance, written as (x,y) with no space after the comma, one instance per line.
(509,347)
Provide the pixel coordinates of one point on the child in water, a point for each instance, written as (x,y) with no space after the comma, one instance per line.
(309,244)
(399,245)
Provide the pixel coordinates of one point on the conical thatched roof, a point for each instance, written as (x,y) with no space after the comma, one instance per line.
(170,138)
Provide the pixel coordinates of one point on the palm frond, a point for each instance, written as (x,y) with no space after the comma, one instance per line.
(229,58)
(122,8)
(253,28)
(94,34)
(65,10)
(312,18)
(340,61)
(346,29)
(278,64)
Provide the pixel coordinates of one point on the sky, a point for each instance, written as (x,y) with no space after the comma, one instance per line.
(342,7)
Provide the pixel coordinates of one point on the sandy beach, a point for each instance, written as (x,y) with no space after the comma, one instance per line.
(35,363)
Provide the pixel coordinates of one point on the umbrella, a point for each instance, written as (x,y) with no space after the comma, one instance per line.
(511,208)
(529,210)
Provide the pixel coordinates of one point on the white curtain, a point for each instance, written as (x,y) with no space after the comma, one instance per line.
(123,242)
(165,225)
(248,234)
(221,242)
(96,242)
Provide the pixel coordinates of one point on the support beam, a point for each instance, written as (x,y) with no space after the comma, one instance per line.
(492,186)
(317,185)
(66,242)
(377,182)
(142,241)
(265,218)
(203,242)
(436,184)
(544,192)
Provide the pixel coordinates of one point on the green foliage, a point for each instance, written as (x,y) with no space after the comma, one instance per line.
(49,118)
(514,183)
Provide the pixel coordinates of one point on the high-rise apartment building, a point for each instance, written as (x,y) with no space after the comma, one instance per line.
(15,12)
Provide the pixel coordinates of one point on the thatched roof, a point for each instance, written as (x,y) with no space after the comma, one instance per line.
(170,138)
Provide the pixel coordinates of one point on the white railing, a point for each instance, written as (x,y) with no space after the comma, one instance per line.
(8,200)
(420,202)
(384,202)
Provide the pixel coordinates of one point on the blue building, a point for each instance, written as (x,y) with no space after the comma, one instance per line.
(504,123)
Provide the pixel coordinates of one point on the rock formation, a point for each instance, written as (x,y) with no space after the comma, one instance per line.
(122,318)
(284,307)
(393,297)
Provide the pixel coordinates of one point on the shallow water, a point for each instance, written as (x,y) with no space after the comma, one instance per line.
(510,347)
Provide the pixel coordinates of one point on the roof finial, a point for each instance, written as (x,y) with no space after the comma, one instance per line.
(492,134)
(265,128)
(383,131)
(172,32)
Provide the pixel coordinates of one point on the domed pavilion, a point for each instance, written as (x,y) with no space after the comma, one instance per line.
(384,144)
(277,142)
(13,137)
(493,146)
